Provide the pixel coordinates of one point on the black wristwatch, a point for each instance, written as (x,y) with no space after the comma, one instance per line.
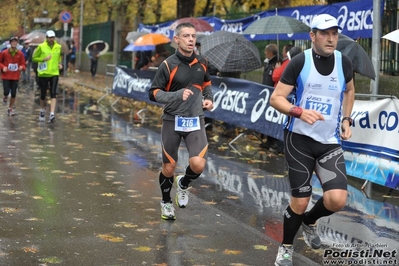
(348,119)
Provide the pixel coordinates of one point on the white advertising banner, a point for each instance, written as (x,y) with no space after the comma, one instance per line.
(373,151)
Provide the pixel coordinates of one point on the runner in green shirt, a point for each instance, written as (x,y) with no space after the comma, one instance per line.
(48,57)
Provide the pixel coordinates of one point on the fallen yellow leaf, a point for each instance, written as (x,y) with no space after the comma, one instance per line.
(233,197)
(68,176)
(101,153)
(58,172)
(33,219)
(143,229)
(11,192)
(9,210)
(70,162)
(126,225)
(200,236)
(108,194)
(110,238)
(142,249)
(29,249)
(51,260)
(231,252)
(262,247)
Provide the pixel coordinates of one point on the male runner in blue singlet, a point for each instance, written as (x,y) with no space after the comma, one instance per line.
(318,119)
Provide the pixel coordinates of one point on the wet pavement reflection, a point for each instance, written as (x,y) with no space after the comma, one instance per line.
(84,191)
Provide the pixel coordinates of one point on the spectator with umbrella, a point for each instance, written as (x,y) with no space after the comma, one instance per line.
(142,59)
(229,54)
(94,55)
(271,53)
(280,65)
(160,54)
(95,49)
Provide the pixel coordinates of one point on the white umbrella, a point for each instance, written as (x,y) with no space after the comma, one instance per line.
(101,46)
(392,36)
(134,35)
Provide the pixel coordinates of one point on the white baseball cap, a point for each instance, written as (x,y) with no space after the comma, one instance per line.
(324,21)
(50,33)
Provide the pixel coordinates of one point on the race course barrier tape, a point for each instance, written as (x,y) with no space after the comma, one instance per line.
(371,154)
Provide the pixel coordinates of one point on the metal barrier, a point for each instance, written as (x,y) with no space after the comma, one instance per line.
(373,96)
(109,74)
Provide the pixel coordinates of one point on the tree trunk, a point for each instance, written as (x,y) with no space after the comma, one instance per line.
(185,8)
(140,13)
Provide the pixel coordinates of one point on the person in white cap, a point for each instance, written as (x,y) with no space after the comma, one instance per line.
(48,57)
(318,119)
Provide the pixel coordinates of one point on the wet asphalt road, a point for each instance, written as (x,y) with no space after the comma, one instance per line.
(84,191)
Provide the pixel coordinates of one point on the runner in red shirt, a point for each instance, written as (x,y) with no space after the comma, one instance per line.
(12,62)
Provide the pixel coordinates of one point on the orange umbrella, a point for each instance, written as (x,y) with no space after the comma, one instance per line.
(151,39)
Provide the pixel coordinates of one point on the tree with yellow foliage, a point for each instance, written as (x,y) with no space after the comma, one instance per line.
(127,12)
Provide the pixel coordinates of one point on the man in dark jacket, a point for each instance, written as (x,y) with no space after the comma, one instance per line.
(27,51)
(271,52)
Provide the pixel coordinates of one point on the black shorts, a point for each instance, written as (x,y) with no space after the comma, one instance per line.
(48,83)
(196,141)
(305,155)
(10,86)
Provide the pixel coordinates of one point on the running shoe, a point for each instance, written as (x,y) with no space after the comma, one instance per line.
(284,255)
(51,118)
(10,112)
(4,101)
(168,211)
(41,116)
(311,236)
(181,194)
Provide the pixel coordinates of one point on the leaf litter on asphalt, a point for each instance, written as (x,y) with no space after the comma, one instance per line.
(110,238)
(52,260)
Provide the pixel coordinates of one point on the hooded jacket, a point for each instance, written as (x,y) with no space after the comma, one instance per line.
(14,61)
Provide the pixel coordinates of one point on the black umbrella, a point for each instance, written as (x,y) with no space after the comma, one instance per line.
(101,46)
(360,59)
(230,52)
